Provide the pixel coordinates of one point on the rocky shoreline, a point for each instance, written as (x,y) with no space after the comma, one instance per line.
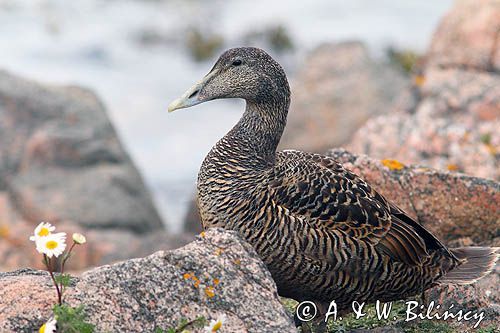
(428,142)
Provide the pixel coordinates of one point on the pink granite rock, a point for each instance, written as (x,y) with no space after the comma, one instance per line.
(337,89)
(468,36)
(453,125)
(214,275)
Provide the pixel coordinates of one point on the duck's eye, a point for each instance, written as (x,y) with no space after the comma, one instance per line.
(237,62)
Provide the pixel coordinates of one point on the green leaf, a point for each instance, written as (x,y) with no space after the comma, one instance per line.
(63,279)
(72,320)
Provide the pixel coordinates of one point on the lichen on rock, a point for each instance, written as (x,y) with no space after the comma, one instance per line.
(153,292)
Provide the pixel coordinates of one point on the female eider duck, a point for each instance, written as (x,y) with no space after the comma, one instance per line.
(323,232)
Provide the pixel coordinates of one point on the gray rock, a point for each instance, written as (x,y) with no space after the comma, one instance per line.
(192,219)
(60,159)
(158,291)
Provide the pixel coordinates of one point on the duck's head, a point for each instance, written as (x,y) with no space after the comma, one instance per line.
(244,72)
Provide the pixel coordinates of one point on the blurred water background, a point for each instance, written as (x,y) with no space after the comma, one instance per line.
(139,55)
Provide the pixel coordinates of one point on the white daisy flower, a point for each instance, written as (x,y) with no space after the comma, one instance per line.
(42,230)
(215,325)
(52,245)
(49,327)
(79,238)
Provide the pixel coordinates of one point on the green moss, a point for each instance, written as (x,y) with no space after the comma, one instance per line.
(427,326)
(289,304)
(370,321)
(406,60)
(275,37)
(486,138)
(489,329)
(203,46)
(279,39)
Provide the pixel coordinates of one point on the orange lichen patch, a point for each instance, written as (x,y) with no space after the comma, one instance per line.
(452,167)
(196,282)
(393,164)
(191,276)
(218,251)
(216,281)
(237,262)
(4,231)
(202,234)
(491,149)
(419,80)
(209,291)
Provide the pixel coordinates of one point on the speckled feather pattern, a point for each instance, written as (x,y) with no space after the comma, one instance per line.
(323,232)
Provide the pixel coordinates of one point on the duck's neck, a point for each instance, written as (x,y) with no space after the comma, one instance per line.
(259,131)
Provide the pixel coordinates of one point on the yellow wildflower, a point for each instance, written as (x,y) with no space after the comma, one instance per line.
(49,327)
(42,230)
(52,245)
(215,325)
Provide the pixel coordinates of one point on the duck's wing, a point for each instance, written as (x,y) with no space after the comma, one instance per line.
(328,196)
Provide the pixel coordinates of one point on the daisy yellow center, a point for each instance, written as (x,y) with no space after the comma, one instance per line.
(42,329)
(217,326)
(51,245)
(43,232)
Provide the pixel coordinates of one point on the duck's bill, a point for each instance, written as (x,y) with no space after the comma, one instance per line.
(192,96)
(188,99)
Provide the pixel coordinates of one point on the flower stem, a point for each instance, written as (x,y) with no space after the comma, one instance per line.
(49,267)
(186,325)
(66,257)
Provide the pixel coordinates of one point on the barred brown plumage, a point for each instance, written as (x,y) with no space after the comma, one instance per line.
(323,232)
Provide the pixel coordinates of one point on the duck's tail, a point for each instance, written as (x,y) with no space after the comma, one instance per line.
(476,262)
